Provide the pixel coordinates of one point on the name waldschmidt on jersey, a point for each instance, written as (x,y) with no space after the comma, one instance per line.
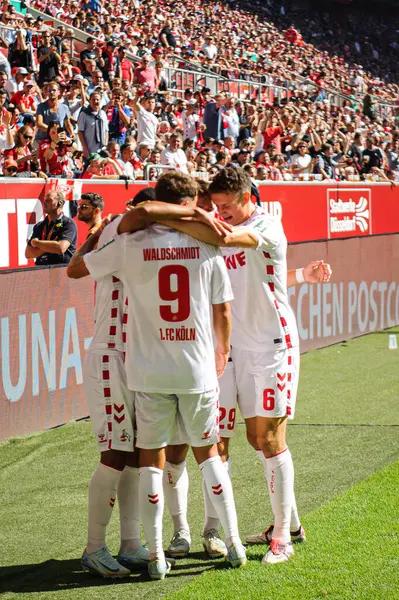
(171,253)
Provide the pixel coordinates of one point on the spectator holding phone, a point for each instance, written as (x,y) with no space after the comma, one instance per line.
(53,152)
(22,151)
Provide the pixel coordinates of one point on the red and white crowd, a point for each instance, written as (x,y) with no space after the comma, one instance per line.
(325,111)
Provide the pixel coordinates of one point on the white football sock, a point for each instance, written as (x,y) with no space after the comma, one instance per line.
(175,487)
(129,514)
(151,500)
(102,496)
(280,479)
(211,516)
(220,491)
(295,522)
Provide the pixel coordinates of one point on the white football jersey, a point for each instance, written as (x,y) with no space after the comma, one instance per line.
(109,304)
(262,317)
(171,281)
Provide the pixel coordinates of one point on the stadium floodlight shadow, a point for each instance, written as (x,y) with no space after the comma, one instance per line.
(58,575)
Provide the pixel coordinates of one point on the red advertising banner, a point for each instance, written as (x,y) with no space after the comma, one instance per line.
(309,211)
(46,321)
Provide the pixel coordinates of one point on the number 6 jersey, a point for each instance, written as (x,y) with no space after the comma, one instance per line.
(171,281)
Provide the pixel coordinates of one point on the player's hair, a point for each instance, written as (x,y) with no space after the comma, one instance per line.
(143,195)
(175,188)
(203,189)
(231,179)
(95,199)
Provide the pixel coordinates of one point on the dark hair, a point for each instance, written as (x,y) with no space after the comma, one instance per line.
(326,147)
(175,187)
(143,195)
(95,199)
(231,180)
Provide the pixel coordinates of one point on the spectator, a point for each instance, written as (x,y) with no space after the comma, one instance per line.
(325,165)
(166,36)
(111,67)
(24,100)
(146,76)
(190,120)
(91,52)
(372,156)
(301,163)
(126,66)
(147,122)
(173,155)
(53,152)
(96,165)
(127,155)
(53,240)
(118,115)
(22,152)
(212,118)
(93,126)
(53,110)
(209,48)
(48,58)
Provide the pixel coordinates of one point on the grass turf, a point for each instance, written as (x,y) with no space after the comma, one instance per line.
(44,481)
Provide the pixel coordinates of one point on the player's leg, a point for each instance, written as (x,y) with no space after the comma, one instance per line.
(276,393)
(101,392)
(132,554)
(200,417)
(156,424)
(175,485)
(211,541)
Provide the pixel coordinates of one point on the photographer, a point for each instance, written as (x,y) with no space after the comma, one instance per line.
(53,152)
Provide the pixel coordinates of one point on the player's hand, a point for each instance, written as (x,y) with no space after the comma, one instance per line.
(317,272)
(208,219)
(221,359)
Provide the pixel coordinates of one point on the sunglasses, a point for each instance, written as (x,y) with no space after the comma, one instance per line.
(10,169)
(27,137)
(84,206)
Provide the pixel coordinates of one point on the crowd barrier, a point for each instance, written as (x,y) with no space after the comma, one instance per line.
(47,320)
(309,210)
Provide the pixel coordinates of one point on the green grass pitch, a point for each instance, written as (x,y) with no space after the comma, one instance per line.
(344,441)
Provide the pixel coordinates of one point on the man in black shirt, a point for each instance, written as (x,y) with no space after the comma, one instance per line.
(166,36)
(372,156)
(53,240)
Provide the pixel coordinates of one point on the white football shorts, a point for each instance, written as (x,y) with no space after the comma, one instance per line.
(267,383)
(227,401)
(111,403)
(161,418)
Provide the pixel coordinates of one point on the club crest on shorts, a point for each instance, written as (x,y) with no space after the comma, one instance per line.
(206,435)
(125,436)
(101,438)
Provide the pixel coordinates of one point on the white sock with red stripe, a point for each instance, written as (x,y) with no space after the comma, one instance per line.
(175,487)
(211,517)
(220,490)
(280,479)
(129,514)
(295,522)
(102,496)
(151,500)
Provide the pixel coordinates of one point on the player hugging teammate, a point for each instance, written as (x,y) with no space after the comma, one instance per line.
(175,280)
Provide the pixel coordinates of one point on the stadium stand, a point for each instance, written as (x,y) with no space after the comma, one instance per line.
(144,85)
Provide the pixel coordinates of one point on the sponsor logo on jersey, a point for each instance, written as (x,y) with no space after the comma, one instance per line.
(348,212)
(234,261)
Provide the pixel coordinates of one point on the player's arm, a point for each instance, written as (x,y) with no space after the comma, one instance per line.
(77,267)
(315,272)
(222,234)
(146,213)
(222,329)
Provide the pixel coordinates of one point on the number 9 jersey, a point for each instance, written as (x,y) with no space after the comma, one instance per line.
(171,281)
